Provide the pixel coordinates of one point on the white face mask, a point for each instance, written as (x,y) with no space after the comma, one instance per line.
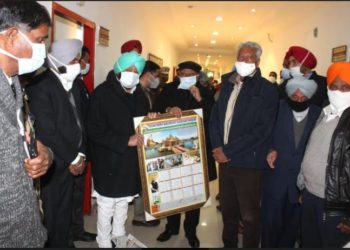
(285,73)
(129,80)
(272,79)
(27,65)
(154,83)
(187,82)
(338,100)
(295,71)
(72,71)
(86,70)
(245,69)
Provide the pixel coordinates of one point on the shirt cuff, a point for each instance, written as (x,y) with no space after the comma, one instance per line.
(76,160)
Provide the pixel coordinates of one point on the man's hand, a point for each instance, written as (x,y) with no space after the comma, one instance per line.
(219,155)
(136,140)
(78,168)
(271,158)
(195,93)
(344,228)
(39,165)
(152,115)
(175,111)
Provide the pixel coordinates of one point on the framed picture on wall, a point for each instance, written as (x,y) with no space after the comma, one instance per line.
(339,54)
(155,59)
(172,162)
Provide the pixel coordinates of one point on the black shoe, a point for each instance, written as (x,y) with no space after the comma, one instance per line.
(218,207)
(166,235)
(86,236)
(217,196)
(151,223)
(194,242)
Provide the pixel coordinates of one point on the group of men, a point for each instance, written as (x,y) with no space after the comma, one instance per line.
(283,155)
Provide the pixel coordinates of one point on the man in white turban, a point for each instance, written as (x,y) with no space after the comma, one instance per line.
(295,121)
(56,107)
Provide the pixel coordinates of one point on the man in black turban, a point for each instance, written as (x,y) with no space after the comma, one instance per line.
(176,96)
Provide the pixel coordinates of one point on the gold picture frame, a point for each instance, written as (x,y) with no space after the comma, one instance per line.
(339,53)
(155,59)
(173,163)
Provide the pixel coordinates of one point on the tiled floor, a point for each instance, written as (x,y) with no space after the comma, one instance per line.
(208,231)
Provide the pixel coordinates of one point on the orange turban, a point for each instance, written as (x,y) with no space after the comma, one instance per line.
(339,69)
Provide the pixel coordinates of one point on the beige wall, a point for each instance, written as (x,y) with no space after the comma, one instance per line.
(124,23)
(332,22)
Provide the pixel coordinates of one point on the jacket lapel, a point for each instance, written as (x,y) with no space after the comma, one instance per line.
(9,104)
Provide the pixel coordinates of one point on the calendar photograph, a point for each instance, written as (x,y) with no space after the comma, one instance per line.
(172,163)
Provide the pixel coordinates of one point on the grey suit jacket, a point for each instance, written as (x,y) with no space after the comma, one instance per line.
(20,223)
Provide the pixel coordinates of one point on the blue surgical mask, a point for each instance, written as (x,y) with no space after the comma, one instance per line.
(187,82)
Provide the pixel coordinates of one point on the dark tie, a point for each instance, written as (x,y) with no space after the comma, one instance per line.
(14,90)
(75,111)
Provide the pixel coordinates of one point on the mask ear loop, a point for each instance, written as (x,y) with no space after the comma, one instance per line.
(302,62)
(51,57)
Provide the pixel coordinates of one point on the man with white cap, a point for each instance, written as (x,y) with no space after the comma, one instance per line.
(295,121)
(113,140)
(58,123)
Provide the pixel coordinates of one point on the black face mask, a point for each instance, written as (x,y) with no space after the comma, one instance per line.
(298,106)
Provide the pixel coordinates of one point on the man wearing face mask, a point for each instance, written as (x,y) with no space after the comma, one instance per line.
(59,123)
(324,176)
(295,121)
(77,230)
(111,131)
(185,94)
(300,62)
(149,80)
(23,28)
(240,128)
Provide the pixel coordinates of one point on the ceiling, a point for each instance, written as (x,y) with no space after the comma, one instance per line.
(189,25)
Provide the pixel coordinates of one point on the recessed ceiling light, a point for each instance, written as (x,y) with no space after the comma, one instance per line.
(219,18)
(215,33)
(240,27)
(208,56)
(192,26)
(220,55)
(196,44)
(212,41)
(253,10)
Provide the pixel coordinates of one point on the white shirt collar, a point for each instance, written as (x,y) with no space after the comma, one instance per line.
(66,85)
(9,79)
(330,113)
(299,116)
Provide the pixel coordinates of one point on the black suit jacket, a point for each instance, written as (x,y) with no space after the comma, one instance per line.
(55,123)
(110,125)
(252,122)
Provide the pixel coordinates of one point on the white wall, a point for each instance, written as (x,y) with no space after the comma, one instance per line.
(333,31)
(65,28)
(124,23)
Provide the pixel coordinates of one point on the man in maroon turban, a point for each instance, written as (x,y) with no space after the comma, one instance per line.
(131,45)
(300,62)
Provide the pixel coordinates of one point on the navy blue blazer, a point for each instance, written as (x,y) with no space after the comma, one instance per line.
(253,119)
(281,180)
